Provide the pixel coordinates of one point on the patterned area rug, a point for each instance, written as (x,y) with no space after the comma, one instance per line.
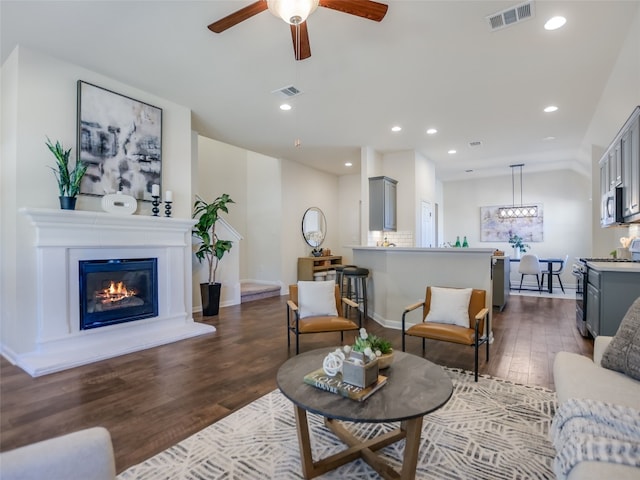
(492,429)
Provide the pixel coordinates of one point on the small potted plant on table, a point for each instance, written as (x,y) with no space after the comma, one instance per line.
(380,347)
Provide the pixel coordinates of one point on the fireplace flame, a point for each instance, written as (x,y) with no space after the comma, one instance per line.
(115,293)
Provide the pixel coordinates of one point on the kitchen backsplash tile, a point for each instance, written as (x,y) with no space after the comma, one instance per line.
(400,239)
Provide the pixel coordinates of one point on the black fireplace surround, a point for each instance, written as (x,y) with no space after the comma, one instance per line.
(117,291)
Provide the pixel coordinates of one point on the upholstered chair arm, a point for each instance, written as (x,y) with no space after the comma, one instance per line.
(482,313)
(410,308)
(350,302)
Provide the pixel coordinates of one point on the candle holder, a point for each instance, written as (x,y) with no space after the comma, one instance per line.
(155,202)
(167,209)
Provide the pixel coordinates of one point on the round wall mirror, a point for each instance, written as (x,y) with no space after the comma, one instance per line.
(314,227)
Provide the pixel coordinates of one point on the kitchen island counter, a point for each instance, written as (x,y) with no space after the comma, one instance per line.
(399,276)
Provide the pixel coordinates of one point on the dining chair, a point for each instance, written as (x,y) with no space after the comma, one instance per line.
(530,265)
(557,272)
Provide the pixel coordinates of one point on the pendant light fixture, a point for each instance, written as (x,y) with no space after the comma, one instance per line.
(514,211)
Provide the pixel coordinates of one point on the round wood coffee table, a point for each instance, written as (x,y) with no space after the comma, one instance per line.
(415,387)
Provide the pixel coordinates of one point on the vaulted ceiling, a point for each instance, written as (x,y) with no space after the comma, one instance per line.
(427,64)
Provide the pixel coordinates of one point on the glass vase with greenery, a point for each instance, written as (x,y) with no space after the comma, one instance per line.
(517,242)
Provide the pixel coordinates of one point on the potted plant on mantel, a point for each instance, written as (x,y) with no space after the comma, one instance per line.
(68,179)
(211,247)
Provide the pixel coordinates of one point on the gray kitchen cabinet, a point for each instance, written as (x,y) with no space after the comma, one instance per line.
(630,152)
(501,273)
(382,204)
(615,166)
(609,295)
(620,166)
(593,311)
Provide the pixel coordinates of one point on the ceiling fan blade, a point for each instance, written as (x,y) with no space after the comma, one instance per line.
(239,16)
(361,8)
(300,37)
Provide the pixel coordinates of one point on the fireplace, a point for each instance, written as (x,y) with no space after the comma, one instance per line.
(117,291)
(50,328)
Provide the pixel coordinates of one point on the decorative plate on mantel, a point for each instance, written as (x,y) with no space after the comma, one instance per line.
(119,204)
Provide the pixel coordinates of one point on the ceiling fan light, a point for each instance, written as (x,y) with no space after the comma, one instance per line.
(293,12)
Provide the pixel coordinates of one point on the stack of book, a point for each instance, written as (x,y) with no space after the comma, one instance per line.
(335,384)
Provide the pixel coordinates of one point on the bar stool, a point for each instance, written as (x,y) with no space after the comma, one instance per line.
(339,279)
(355,279)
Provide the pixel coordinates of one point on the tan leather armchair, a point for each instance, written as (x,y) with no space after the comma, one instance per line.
(466,335)
(320,324)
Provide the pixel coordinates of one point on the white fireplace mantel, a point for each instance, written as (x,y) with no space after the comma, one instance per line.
(62,239)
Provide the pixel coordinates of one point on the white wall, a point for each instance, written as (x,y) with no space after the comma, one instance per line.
(426,190)
(564,195)
(39,100)
(349,213)
(305,187)
(271,197)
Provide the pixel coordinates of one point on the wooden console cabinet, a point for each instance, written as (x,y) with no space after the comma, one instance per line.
(307,266)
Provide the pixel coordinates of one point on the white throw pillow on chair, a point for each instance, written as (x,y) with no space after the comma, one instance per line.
(450,305)
(317,299)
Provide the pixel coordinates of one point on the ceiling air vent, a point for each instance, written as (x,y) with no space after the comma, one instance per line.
(510,16)
(287,92)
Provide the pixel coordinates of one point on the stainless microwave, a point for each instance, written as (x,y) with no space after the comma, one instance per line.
(611,209)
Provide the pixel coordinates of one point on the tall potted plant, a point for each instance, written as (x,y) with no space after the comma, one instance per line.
(68,178)
(211,247)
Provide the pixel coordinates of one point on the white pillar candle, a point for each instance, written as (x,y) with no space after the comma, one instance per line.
(155,190)
(168,196)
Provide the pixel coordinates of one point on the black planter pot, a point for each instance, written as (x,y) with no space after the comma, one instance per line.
(68,203)
(210,294)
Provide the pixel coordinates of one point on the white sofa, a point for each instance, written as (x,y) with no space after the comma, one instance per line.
(576,376)
(83,455)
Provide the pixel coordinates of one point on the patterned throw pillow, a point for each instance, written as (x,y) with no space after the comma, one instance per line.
(623,353)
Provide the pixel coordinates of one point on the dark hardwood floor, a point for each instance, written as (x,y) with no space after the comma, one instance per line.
(152,399)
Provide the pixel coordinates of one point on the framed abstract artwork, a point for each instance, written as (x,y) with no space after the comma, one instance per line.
(120,139)
(496,229)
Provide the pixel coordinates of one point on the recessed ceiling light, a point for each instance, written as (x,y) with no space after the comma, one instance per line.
(451,152)
(348,164)
(549,138)
(285,107)
(432,131)
(396,128)
(554,23)
(550,108)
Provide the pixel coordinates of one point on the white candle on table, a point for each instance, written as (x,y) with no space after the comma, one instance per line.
(168,196)
(155,190)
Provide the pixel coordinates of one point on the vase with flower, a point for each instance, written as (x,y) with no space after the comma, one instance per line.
(517,243)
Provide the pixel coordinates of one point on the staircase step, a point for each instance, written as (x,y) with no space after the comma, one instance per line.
(257,291)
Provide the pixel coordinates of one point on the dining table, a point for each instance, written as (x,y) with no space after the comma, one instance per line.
(550,262)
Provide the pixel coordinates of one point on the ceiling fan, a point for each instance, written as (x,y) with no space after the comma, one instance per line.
(295,13)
